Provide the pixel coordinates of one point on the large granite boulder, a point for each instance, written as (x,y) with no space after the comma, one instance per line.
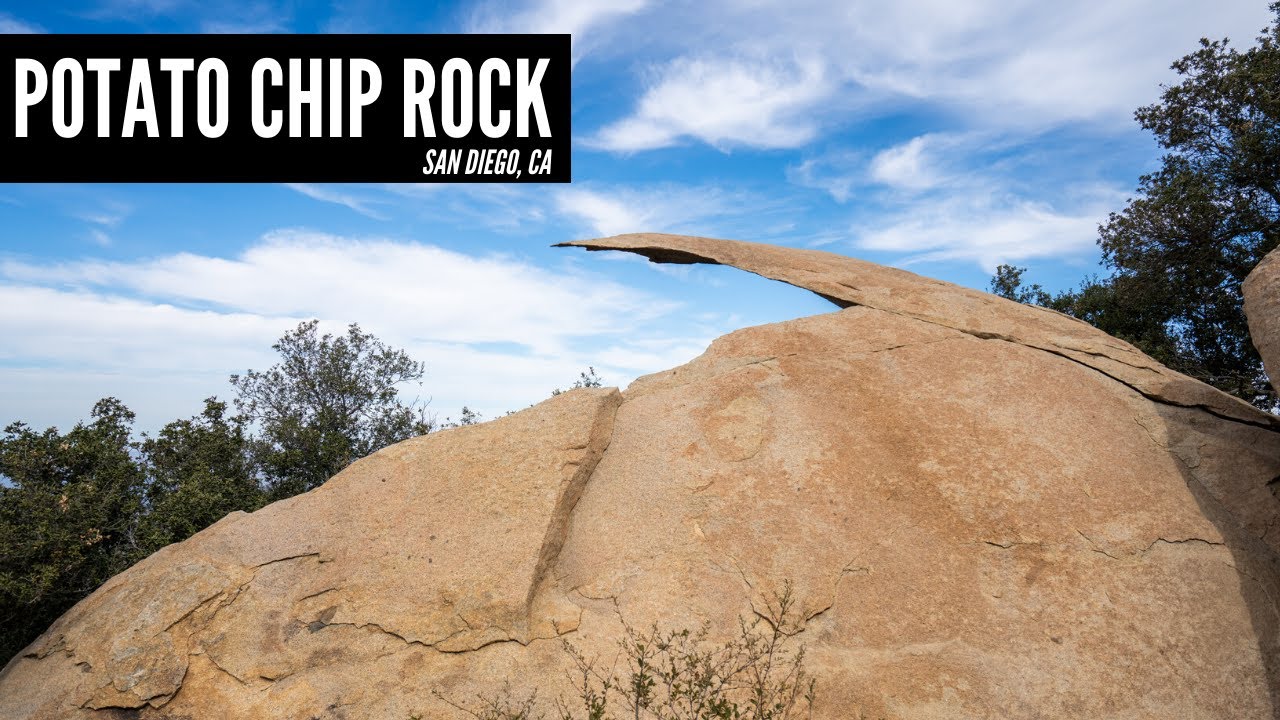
(984,510)
(1262,308)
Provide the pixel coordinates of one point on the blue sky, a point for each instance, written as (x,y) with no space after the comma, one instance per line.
(943,136)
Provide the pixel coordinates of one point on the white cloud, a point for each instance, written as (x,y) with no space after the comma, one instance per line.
(724,102)
(972,226)
(918,165)
(906,166)
(657,208)
(1009,64)
(496,332)
(110,333)
(302,274)
(964,197)
(606,215)
(331,195)
(10,25)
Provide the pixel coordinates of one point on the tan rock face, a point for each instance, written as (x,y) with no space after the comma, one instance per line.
(986,510)
(1262,308)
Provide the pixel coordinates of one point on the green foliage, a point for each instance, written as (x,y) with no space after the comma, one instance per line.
(683,675)
(1007,283)
(1125,309)
(77,508)
(328,402)
(199,470)
(1179,251)
(66,517)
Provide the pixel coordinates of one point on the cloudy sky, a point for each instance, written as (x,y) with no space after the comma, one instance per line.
(943,136)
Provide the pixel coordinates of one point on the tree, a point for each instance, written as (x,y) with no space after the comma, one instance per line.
(330,401)
(67,516)
(1007,283)
(77,508)
(1179,251)
(198,471)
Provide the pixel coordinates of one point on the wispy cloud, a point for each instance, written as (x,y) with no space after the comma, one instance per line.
(919,164)
(206,16)
(263,25)
(496,206)
(555,16)
(972,197)
(724,102)
(493,326)
(301,273)
(1013,65)
(838,173)
(330,195)
(103,215)
(670,207)
(106,213)
(10,25)
(137,9)
(987,231)
(580,18)
(99,238)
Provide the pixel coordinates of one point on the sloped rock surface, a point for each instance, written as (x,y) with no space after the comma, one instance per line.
(442,543)
(1262,308)
(986,510)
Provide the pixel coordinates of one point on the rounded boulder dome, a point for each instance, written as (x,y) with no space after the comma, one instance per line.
(981,510)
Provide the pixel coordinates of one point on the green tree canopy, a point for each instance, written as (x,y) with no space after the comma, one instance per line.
(79,507)
(1007,283)
(1179,251)
(198,471)
(66,517)
(328,402)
